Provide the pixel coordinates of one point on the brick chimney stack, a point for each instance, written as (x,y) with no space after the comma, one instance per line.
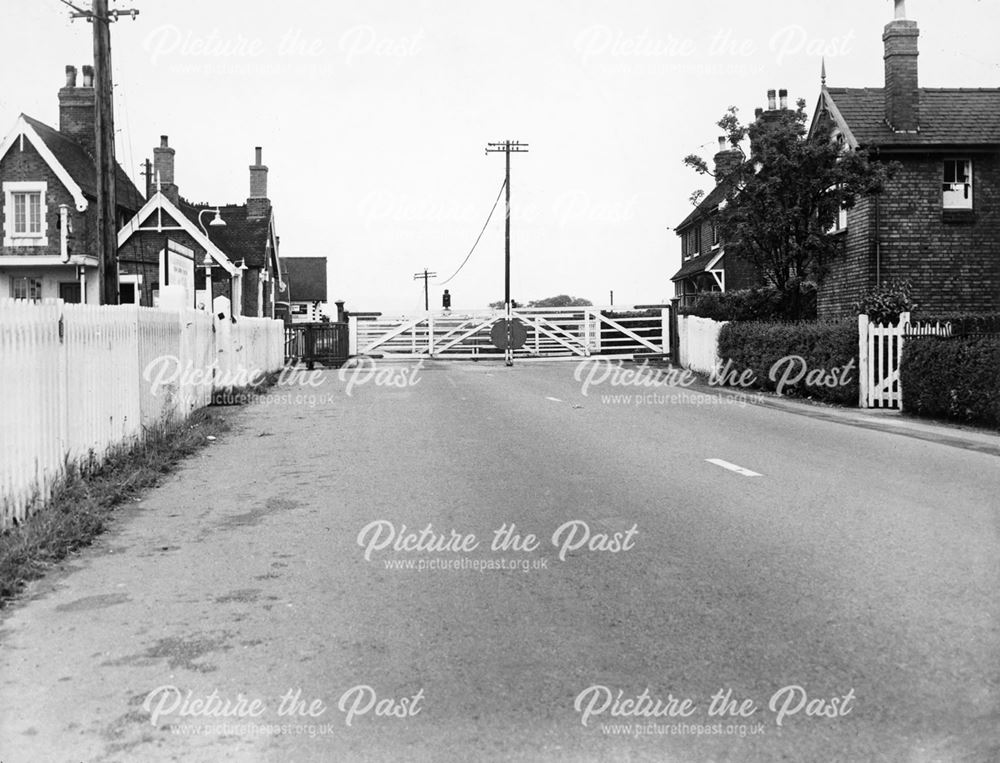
(76,109)
(163,169)
(902,89)
(727,160)
(258,205)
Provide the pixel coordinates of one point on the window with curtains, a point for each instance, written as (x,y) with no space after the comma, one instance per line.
(25,287)
(957,185)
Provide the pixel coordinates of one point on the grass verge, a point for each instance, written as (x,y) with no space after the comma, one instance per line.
(85,498)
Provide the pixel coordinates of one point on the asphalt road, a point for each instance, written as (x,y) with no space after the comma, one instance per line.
(842,579)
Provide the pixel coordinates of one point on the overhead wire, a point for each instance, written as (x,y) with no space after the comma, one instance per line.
(488,218)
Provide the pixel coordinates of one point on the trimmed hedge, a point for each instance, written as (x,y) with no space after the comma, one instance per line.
(764,303)
(955,377)
(828,352)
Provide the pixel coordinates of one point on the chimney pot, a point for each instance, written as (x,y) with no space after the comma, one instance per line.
(758,112)
(901,9)
(76,110)
(164,142)
(726,161)
(771,103)
(783,96)
(257,153)
(88,76)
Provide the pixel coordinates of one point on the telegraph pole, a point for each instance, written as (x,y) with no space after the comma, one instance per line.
(426,276)
(104,134)
(507,147)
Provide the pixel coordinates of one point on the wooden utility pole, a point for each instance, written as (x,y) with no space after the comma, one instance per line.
(507,147)
(426,276)
(104,134)
(147,172)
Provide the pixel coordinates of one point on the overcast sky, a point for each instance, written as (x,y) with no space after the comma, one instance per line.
(374,116)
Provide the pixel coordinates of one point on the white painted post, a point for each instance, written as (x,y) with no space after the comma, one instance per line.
(586,330)
(862,361)
(904,321)
(430,334)
(665,328)
(352,335)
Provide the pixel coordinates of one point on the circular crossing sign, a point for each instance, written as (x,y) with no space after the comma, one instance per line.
(518,334)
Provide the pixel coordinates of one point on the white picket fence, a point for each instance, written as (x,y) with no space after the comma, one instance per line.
(76,380)
(698,343)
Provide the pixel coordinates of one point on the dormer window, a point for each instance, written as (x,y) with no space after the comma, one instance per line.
(24,214)
(715,236)
(957,186)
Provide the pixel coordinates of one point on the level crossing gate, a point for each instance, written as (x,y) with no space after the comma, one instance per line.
(553,333)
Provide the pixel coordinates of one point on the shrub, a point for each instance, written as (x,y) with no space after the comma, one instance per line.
(883,303)
(823,346)
(765,303)
(956,377)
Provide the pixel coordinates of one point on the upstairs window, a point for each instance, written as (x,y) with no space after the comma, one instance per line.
(28,214)
(24,214)
(715,236)
(957,186)
(697,239)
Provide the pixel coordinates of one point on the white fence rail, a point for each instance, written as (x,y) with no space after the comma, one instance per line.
(698,343)
(80,379)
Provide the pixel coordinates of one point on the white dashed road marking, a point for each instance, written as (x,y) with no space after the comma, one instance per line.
(733,467)
(555,400)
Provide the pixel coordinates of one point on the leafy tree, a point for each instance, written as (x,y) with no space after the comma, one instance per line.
(785,196)
(561,300)
(498,305)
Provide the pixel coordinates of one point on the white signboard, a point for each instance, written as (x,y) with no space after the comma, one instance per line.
(177,269)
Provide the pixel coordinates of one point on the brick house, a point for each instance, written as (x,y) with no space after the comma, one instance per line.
(937,222)
(48,180)
(173,245)
(307,295)
(704,265)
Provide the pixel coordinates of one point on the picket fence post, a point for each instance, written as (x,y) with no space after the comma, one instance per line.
(863,374)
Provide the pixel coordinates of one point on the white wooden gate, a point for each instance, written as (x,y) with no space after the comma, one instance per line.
(553,332)
(880,351)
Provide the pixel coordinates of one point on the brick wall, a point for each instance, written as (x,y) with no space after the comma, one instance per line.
(952,260)
(850,272)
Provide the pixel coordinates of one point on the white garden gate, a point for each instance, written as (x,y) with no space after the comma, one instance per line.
(880,351)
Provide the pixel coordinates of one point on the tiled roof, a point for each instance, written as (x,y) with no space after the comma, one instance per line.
(697,265)
(306,278)
(241,238)
(948,116)
(82,167)
(706,205)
